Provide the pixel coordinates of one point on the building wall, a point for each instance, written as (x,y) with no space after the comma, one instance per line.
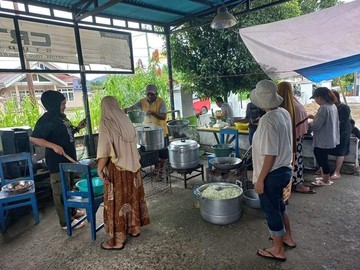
(9,92)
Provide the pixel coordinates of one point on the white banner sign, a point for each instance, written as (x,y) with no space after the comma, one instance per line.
(53,43)
(107,48)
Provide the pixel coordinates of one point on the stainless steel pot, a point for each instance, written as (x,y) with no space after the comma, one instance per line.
(221,211)
(178,128)
(184,154)
(151,138)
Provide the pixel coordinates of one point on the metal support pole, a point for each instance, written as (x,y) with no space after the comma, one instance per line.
(90,143)
(171,82)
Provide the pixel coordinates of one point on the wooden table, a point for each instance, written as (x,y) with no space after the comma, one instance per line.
(216,131)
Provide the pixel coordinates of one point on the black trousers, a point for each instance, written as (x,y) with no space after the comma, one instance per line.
(322,159)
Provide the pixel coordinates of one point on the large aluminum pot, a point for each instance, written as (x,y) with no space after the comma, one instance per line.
(221,211)
(184,154)
(151,138)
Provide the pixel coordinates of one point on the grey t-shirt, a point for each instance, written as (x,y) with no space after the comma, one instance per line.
(227,110)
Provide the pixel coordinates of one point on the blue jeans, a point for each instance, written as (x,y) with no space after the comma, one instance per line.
(271,200)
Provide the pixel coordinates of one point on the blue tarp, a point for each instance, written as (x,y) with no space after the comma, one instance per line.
(331,69)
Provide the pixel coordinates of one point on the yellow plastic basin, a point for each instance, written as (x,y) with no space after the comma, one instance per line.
(242,126)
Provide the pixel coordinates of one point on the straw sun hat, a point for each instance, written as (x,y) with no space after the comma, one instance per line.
(265,96)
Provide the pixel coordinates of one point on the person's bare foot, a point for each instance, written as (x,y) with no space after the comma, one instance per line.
(301,188)
(289,242)
(335,176)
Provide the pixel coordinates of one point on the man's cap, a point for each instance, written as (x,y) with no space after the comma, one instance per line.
(151,88)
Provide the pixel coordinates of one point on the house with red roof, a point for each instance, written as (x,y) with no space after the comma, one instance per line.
(14,85)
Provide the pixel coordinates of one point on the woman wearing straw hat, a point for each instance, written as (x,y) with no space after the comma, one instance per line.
(272,157)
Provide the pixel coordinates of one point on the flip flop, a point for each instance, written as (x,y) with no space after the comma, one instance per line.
(335,177)
(111,248)
(320,183)
(269,255)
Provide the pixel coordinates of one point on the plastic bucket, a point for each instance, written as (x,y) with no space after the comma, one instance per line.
(98,186)
(222,150)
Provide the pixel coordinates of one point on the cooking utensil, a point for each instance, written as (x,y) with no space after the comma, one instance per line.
(222,150)
(18,187)
(226,163)
(136,116)
(220,211)
(178,128)
(251,199)
(70,158)
(151,138)
(184,154)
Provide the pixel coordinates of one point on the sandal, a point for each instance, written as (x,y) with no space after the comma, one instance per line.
(103,246)
(320,182)
(269,255)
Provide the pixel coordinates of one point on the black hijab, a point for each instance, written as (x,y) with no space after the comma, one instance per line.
(52,101)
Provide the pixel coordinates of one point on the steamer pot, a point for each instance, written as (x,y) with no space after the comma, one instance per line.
(184,154)
(221,211)
(151,138)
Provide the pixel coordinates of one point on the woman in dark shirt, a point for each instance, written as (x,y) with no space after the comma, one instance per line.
(55,132)
(343,148)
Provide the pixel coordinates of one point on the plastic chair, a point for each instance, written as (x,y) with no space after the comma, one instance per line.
(235,133)
(76,199)
(21,164)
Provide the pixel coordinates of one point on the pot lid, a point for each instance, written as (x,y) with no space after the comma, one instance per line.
(187,144)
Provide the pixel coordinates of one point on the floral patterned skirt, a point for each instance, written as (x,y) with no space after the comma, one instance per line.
(125,209)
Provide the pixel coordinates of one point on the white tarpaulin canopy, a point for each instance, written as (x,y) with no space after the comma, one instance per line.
(319,46)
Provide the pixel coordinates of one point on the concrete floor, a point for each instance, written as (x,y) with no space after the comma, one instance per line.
(326,227)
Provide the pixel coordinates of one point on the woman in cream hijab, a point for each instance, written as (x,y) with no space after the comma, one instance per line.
(125,209)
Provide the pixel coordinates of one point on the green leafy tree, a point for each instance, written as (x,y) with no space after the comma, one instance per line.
(16,114)
(216,62)
(128,89)
(308,6)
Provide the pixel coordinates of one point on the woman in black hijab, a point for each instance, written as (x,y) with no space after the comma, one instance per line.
(55,132)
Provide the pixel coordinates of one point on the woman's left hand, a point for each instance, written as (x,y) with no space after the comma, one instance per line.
(103,177)
(259,187)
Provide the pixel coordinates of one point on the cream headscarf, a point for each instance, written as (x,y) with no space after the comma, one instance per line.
(117,136)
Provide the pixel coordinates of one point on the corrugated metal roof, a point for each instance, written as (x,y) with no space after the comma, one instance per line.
(158,12)
(121,13)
